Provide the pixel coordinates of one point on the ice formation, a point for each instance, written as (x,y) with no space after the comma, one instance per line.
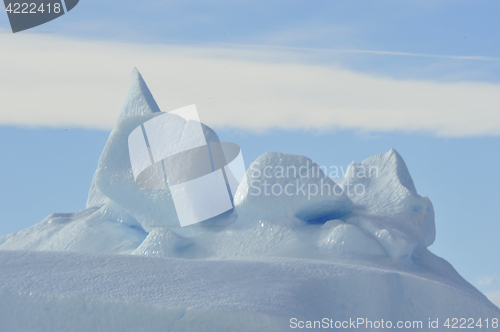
(297,244)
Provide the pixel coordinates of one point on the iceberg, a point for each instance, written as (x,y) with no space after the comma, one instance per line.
(298,248)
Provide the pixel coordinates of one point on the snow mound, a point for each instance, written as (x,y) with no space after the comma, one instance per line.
(91,292)
(340,237)
(286,186)
(98,229)
(163,243)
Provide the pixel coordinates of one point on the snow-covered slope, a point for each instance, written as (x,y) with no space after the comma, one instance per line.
(297,244)
(89,292)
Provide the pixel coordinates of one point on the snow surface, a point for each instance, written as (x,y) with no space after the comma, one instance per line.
(273,257)
(94,292)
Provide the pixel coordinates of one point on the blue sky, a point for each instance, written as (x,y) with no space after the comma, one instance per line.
(336,81)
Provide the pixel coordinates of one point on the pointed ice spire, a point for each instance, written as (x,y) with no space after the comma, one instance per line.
(396,161)
(139,99)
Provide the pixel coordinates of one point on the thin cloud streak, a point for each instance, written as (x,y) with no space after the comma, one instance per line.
(56,82)
(354,51)
(456,57)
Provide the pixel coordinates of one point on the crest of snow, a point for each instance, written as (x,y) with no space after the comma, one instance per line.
(284,186)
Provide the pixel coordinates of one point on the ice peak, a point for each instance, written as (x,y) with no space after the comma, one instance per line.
(392,165)
(394,158)
(391,197)
(139,100)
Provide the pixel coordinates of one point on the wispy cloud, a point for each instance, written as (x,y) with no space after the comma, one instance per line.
(303,35)
(485,280)
(307,32)
(420,55)
(46,80)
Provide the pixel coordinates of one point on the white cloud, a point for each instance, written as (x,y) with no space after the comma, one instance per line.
(46,80)
(494,297)
(485,281)
(307,32)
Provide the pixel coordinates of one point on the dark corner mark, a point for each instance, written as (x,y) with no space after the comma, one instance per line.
(24,14)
